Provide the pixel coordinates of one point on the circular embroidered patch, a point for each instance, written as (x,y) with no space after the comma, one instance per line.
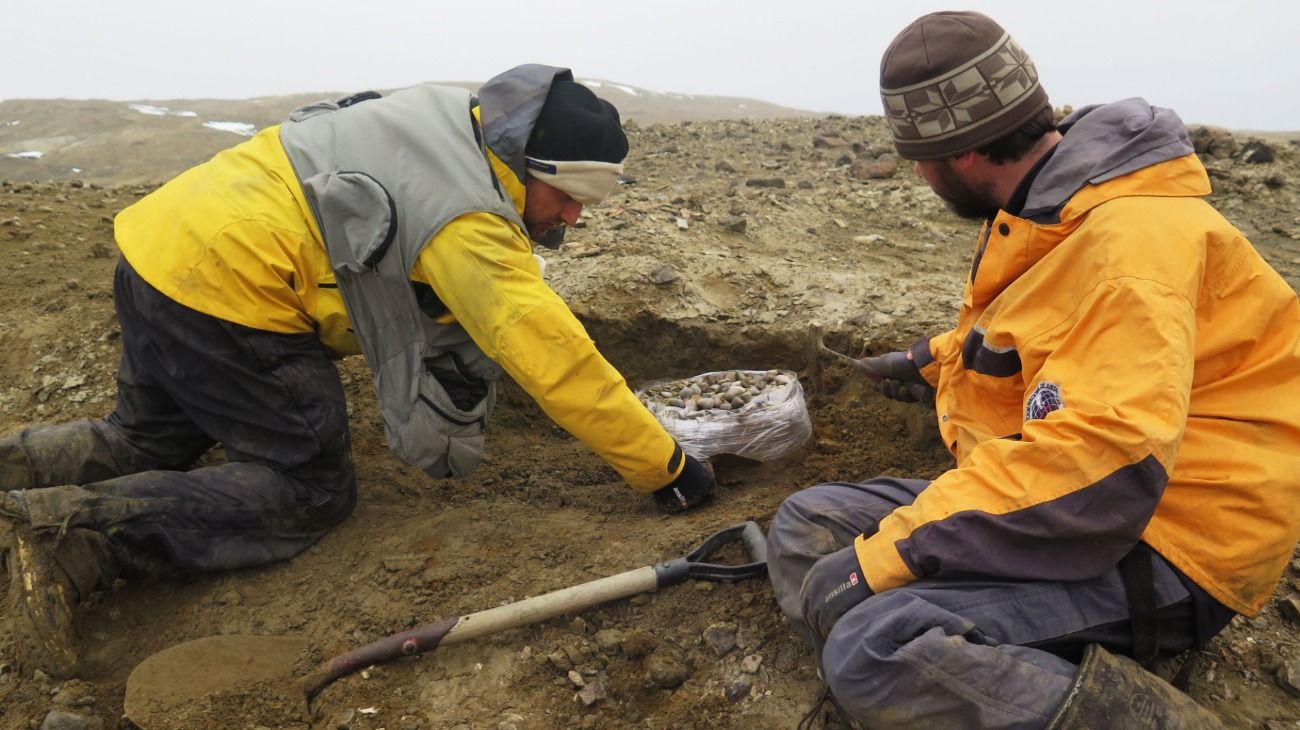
(1045,399)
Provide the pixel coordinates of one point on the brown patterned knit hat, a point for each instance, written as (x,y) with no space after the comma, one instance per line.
(952,82)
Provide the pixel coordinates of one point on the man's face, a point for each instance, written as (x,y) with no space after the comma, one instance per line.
(972,201)
(546,207)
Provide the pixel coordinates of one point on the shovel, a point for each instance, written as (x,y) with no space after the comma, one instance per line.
(175,676)
(815,348)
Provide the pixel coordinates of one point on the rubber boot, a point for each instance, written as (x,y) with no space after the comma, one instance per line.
(48,579)
(1115,693)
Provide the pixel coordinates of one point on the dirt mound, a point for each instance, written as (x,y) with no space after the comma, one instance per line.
(733,237)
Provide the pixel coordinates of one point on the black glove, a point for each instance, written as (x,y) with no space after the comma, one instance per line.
(694,485)
(835,584)
(900,379)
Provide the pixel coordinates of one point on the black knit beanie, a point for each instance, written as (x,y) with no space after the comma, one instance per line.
(952,82)
(576,125)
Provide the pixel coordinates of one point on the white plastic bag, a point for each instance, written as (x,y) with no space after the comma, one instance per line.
(772,425)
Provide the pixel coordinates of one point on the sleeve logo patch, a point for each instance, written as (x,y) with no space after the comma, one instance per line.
(1045,399)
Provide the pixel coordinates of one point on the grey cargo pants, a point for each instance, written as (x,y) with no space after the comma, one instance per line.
(185,382)
(971,653)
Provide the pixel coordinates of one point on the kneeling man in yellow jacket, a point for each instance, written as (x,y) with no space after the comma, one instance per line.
(399,227)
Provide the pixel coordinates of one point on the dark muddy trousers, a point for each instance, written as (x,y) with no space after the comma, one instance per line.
(185,382)
(953,653)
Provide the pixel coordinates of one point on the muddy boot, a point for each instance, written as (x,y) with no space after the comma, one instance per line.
(77,452)
(47,581)
(15,469)
(1116,693)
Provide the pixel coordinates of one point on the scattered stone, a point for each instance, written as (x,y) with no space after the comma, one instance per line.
(343,720)
(609,639)
(830,446)
(1289,677)
(663,274)
(787,657)
(593,691)
(724,166)
(881,169)
(751,663)
(638,643)
(665,671)
(765,182)
(60,720)
(559,660)
(735,223)
(721,638)
(75,693)
(577,679)
(1256,152)
(739,689)
(1290,607)
(827,142)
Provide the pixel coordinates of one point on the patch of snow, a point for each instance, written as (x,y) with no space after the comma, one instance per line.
(241,128)
(76,169)
(592,84)
(28,155)
(160,111)
(14,123)
(626,89)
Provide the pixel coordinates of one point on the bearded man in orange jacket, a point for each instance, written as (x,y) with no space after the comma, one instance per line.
(1118,394)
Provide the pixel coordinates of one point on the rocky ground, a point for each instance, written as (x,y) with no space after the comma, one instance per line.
(732,239)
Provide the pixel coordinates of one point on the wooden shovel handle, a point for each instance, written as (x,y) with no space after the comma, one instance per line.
(430,636)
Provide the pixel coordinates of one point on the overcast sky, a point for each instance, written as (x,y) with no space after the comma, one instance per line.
(1233,64)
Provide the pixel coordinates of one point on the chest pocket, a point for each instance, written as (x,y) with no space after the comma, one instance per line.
(995,389)
(357,212)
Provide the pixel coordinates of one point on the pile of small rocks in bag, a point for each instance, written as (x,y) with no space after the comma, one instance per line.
(729,390)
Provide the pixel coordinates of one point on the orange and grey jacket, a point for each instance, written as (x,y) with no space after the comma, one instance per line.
(1123,368)
(239,238)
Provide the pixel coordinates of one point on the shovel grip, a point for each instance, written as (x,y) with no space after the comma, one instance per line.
(751,537)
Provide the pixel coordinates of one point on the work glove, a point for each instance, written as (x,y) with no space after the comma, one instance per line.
(900,379)
(693,485)
(835,585)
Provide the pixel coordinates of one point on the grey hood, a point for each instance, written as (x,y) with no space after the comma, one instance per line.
(1103,142)
(509,104)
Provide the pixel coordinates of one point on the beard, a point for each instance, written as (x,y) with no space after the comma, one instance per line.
(973,202)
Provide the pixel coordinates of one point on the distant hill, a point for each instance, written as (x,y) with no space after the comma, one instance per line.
(150,141)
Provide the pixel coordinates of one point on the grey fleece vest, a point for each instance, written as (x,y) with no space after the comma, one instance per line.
(382,177)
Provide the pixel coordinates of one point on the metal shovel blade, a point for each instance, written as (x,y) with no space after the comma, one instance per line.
(165,682)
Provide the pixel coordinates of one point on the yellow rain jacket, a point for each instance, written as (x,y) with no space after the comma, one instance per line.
(234,238)
(1125,366)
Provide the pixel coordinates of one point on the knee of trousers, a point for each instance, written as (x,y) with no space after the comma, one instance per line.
(334,497)
(867,640)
